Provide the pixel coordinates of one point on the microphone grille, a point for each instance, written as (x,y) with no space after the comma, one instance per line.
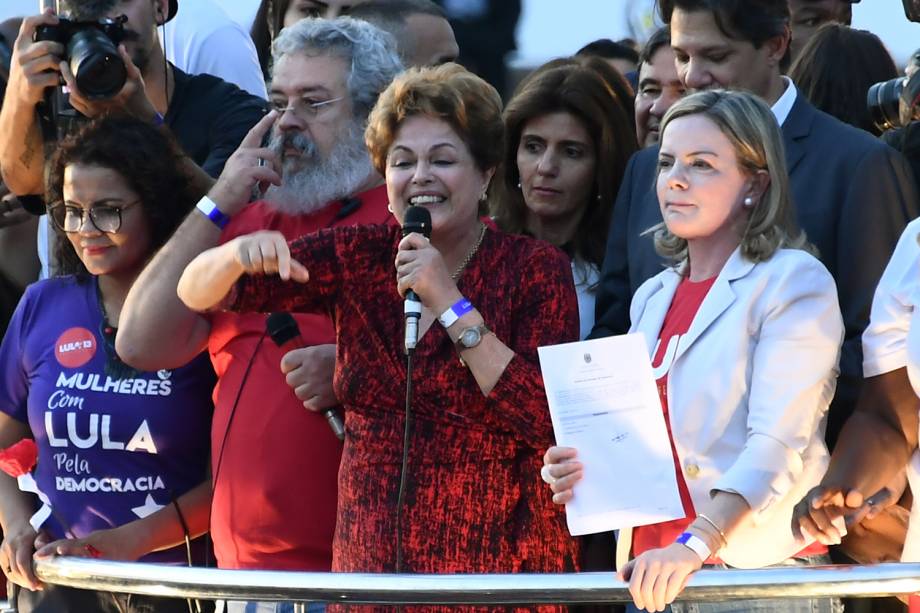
(418,219)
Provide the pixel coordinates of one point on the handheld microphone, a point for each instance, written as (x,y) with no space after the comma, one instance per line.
(283,330)
(418,219)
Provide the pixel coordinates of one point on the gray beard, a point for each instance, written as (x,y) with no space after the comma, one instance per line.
(309,183)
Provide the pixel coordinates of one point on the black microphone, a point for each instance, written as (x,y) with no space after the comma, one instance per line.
(283,330)
(418,219)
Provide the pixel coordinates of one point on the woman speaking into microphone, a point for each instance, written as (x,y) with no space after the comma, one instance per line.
(479,413)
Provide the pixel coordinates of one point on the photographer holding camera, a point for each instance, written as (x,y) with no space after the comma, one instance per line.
(208,116)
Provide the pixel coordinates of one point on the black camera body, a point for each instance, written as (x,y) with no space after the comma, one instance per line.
(92,52)
(895,103)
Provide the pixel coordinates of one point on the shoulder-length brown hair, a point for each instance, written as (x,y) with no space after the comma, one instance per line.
(837,67)
(593,92)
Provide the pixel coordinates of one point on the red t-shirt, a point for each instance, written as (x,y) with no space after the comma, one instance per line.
(686,302)
(275,494)
(684,306)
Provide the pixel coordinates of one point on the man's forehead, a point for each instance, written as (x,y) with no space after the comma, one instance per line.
(698,30)
(663,55)
(310,72)
(87,9)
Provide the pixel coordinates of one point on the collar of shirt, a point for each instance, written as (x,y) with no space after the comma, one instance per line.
(783,106)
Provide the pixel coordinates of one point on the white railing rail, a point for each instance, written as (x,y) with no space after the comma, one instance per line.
(208,583)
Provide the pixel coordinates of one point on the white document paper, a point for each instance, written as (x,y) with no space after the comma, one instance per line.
(604,402)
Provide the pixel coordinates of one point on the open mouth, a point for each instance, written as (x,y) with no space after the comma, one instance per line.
(426,199)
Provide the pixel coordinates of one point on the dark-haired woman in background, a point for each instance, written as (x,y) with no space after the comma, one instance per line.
(836,69)
(275,15)
(570,133)
(122,454)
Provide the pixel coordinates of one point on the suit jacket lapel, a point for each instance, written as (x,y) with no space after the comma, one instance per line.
(656,307)
(720,297)
(796,129)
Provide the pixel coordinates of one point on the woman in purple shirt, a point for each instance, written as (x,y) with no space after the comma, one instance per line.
(122,454)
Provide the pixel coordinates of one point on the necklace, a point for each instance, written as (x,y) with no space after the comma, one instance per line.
(114,367)
(469,256)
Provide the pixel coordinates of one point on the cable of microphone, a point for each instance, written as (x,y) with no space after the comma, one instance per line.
(418,219)
(283,330)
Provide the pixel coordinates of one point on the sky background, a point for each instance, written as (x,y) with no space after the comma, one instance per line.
(549,28)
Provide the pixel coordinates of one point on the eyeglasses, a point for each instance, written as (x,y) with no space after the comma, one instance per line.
(105,218)
(303,107)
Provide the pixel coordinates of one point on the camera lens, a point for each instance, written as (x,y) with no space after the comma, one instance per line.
(95,63)
(883,100)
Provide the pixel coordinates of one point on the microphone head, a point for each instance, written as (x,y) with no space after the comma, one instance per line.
(418,219)
(281,327)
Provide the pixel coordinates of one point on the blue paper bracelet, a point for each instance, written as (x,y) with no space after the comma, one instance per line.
(455,312)
(209,209)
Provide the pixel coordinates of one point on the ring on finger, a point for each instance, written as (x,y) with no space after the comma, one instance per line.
(547,476)
(261,162)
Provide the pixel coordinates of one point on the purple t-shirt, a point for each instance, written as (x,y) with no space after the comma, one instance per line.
(110,450)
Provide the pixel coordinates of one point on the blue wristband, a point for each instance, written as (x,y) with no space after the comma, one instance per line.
(209,208)
(695,544)
(455,312)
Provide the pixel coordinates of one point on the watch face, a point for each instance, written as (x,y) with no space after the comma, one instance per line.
(470,337)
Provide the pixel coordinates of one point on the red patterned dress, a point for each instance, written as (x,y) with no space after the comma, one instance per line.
(474,501)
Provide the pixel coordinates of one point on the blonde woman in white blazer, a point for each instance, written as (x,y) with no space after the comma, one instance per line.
(744,334)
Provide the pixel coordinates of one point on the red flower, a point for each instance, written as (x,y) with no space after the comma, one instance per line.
(20,458)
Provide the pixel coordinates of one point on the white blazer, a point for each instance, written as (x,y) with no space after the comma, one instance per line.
(749,387)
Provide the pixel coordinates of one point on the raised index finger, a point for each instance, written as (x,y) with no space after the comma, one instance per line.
(255,135)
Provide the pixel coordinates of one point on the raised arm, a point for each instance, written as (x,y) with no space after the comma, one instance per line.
(152,310)
(208,279)
(33,69)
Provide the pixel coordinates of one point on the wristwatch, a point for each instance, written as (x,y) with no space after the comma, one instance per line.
(470,337)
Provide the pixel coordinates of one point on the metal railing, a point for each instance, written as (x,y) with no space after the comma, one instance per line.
(355,588)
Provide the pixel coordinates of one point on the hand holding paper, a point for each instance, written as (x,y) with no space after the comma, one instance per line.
(604,404)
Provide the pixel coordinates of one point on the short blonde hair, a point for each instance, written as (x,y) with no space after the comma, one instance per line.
(751,127)
(449,92)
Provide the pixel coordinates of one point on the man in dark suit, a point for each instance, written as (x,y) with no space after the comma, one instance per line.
(853,194)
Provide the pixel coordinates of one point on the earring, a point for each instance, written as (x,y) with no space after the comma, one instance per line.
(389,207)
(519,185)
(748,201)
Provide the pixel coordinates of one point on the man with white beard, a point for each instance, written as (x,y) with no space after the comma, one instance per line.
(274,464)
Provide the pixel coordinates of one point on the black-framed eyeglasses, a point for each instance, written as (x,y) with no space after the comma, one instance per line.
(105,218)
